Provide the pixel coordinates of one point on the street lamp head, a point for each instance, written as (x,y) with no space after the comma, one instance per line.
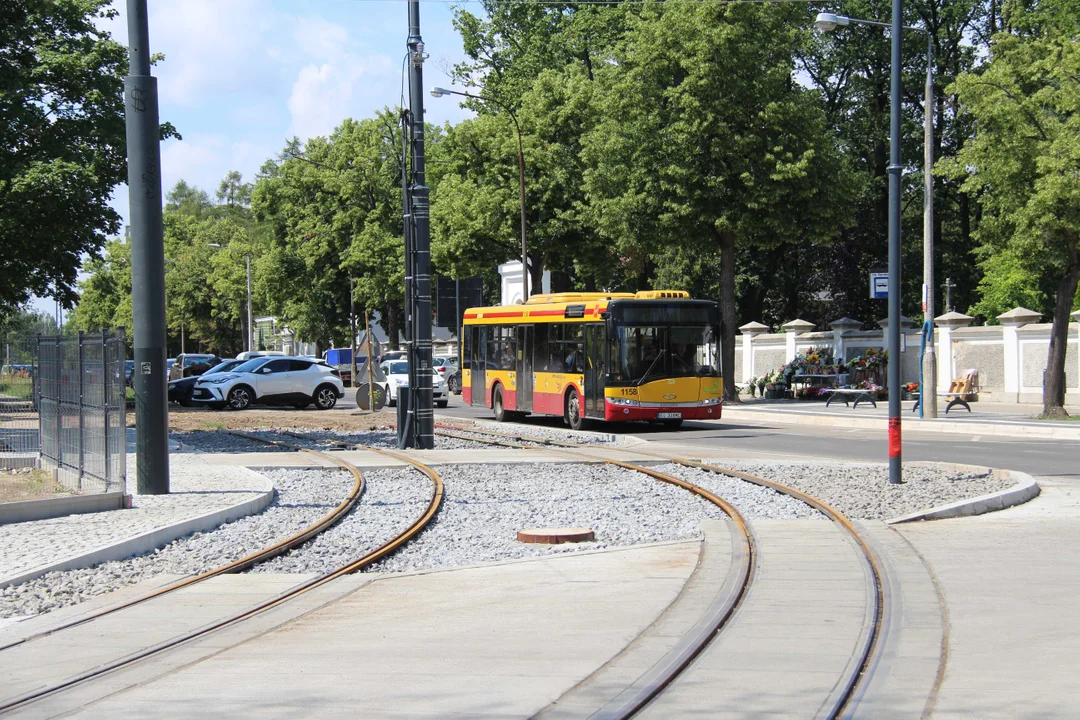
(439,92)
(827,22)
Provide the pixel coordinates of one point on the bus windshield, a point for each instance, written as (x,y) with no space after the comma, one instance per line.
(652,352)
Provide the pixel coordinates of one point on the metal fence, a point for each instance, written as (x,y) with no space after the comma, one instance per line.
(67,410)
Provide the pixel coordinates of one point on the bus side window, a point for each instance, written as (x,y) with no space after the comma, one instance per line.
(539,348)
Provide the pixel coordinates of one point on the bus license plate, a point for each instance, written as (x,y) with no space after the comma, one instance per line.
(668,416)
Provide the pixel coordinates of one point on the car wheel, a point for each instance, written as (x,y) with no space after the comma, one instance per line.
(497,404)
(442,403)
(453,385)
(239,398)
(185,403)
(572,414)
(325,397)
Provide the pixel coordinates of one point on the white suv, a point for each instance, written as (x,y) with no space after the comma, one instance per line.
(295,381)
(397,377)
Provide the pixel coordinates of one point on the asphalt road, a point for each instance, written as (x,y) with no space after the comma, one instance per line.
(1056,458)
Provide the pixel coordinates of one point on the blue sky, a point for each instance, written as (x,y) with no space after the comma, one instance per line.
(240,77)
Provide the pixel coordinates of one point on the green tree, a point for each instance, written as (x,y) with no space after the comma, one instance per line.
(105,294)
(333,209)
(708,144)
(61,143)
(1024,161)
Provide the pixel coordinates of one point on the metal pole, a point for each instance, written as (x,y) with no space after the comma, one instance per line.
(928,393)
(251,328)
(352,332)
(82,411)
(420,405)
(405,429)
(370,367)
(181,337)
(147,257)
(895,454)
(521,186)
(105,390)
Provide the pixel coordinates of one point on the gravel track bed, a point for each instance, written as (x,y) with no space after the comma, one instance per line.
(753,501)
(862,490)
(549,433)
(302,497)
(486,505)
(392,501)
(219,442)
(387,439)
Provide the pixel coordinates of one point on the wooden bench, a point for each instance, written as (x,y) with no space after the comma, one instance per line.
(959,389)
(848,394)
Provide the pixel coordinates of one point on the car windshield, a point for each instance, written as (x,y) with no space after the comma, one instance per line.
(399,368)
(224,367)
(249,366)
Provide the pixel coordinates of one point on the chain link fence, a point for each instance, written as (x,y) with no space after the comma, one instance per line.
(62,408)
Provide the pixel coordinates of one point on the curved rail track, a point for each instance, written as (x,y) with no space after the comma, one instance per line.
(273,551)
(871,645)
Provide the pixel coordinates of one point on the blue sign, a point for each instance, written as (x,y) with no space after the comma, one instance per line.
(879,286)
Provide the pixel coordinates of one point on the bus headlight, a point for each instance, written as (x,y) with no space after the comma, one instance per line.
(623,401)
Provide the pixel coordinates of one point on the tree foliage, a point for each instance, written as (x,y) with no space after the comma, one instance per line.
(61,143)
(1024,163)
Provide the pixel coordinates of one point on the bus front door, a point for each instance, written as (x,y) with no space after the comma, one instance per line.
(524,367)
(477,363)
(594,370)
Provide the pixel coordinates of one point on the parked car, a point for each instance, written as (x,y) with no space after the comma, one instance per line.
(180,390)
(397,377)
(393,355)
(192,364)
(453,381)
(296,381)
(444,366)
(252,354)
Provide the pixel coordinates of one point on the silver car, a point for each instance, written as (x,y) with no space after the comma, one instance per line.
(397,377)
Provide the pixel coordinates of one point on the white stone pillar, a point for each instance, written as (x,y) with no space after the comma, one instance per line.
(906,324)
(749,331)
(946,324)
(1076,317)
(839,328)
(794,329)
(1011,323)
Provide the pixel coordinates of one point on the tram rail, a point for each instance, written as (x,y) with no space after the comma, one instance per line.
(871,645)
(367,559)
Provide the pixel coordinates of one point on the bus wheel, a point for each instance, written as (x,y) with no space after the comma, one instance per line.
(572,414)
(497,403)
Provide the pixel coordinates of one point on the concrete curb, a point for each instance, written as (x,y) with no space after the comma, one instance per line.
(149,540)
(1025,489)
(998,429)
(30,510)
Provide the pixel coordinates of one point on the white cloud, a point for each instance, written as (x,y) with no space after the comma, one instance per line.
(349,86)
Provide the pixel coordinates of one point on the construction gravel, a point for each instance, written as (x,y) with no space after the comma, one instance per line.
(862,490)
(486,505)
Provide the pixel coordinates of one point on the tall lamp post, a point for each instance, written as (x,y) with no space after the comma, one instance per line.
(439,92)
(827,22)
(250,338)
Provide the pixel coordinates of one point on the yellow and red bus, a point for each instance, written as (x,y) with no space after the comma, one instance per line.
(650,355)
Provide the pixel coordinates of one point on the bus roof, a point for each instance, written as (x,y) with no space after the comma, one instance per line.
(554,307)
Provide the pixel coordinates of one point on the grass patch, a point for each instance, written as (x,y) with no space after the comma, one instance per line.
(215,426)
(29,484)
(17,388)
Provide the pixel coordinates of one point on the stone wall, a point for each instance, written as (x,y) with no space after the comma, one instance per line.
(1010,357)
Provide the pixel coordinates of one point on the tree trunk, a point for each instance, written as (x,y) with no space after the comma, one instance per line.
(1054,382)
(391,322)
(728,323)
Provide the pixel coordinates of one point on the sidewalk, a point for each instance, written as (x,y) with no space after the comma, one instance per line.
(985,418)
